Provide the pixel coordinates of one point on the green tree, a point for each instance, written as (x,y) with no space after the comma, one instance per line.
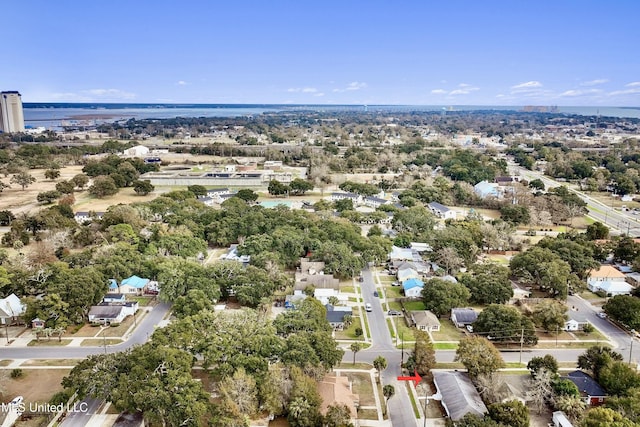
(300,186)
(550,315)
(380,363)
(192,303)
(343,205)
(143,188)
(103,186)
(600,417)
(506,324)
(488,283)
(276,188)
(515,214)
(48,197)
(479,356)
(440,296)
(23,179)
(65,187)
(547,362)
(239,394)
(597,231)
(338,415)
(80,180)
(628,405)
(355,348)
(247,195)
(52,174)
(424,354)
(625,309)
(512,413)
(387,391)
(198,190)
(618,378)
(473,420)
(597,357)
(537,184)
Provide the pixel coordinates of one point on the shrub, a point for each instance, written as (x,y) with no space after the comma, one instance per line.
(358,332)
(17,373)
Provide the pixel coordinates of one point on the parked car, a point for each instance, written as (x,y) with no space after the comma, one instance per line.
(395,284)
(394,313)
(368,307)
(469,328)
(375,294)
(360,279)
(602,315)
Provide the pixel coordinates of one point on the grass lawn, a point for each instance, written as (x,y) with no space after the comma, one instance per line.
(393,292)
(588,295)
(405,333)
(394,305)
(347,289)
(143,301)
(387,279)
(414,305)
(5,362)
(358,365)
(367,414)
(447,332)
(51,362)
(445,346)
(119,331)
(350,332)
(98,342)
(48,343)
(449,365)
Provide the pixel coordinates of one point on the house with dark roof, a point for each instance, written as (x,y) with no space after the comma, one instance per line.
(459,396)
(441,211)
(335,315)
(105,313)
(462,317)
(592,393)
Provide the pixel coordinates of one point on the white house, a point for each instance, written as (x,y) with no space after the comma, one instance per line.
(412,288)
(11,309)
(374,202)
(486,189)
(137,151)
(112,313)
(355,198)
(405,274)
(425,320)
(441,211)
(571,325)
(323,295)
(608,279)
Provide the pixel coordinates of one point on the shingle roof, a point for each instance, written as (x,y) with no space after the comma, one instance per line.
(105,311)
(586,384)
(465,315)
(459,396)
(607,271)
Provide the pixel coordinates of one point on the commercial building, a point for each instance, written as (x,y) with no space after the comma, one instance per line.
(11,115)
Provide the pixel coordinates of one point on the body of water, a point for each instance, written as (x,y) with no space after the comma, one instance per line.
(54,116)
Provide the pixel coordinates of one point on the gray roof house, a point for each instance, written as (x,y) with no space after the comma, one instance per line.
(335,315)
(462,317)
(459,396)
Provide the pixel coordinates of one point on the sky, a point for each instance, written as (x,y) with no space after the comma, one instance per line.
(450,52)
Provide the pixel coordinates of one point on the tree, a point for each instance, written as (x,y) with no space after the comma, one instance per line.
(515,214)
(380,363)
(103,186)
(239,393)
(387,391)
(625,309)
(276,188)
(355,348)
(618,378)
(479,356)
(488,283)
(628,405)
(599,417)
(65,187)
(424,354)
(547,362)
(572,406)
(338,415)
(300,186)
(48,197)
(540,388)
(143,187)
(23,179)
(536,184)
(506,324)
(473,420)
(52,174)
(440,296)
(343,205)
(247,195)
(551,315)
(597,231)
(597,357)
(6,218)
(512,413)
(3,186)
(80,180)
(198,190)
(192,303)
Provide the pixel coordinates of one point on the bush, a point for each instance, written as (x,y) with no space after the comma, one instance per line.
(17,373)
(358,332)
(588,328)
(61,397)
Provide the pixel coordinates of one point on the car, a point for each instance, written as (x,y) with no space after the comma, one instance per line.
(16,401)
(395,284)
(602,315)
(375,294)
(360,279)
(469,328)
(394,313)
(368,307)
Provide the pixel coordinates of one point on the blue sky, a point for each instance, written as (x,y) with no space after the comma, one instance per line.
(450,52)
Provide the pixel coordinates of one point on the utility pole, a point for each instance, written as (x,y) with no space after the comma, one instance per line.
(521,344)
(402,352)
(631,345)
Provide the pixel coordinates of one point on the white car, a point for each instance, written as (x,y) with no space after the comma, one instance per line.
(602,315)
(368,307)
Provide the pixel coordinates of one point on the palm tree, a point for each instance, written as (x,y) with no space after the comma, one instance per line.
(388,391)
(355,347)
(380,363)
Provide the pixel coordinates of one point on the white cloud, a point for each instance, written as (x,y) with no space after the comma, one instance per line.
(633,84)
(463,89)
(526,86)
(633,90)
(318,94)
(352,86)
(182,83)
(116,94)
(575,92)
(594,82)
(438,91)
(302,89)
(309,90)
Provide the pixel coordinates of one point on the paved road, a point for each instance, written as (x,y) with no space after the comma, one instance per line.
(139,336)
(83,411)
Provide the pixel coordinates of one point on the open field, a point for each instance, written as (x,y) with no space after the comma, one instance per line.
(35,385)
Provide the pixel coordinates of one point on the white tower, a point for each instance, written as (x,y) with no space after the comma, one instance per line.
(11,116)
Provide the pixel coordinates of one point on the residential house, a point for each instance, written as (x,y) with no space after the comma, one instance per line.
(133,285)
(119,298)
(462,317)
(592,393)
(232,255)
(633,279)
(106,313)
(11,309)
(486,189)
(608,279)
(214,193)
(113,286)
(459,396)
(571,325)
(355,198)
(206,200)
(413,288)
(374,202)
(335,315)
(407,273)
(425,320)
(324,294)
(83,217)
(441,211)
(336,390)
(420,247)
(403,254)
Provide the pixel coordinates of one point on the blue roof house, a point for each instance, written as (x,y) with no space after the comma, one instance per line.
(133,285)
(412,288)
(113,285)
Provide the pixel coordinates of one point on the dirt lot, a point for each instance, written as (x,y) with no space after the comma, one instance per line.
(35,385)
